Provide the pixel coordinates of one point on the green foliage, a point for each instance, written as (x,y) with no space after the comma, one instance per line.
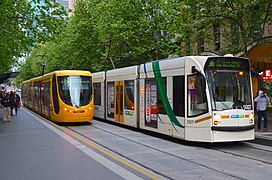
(268,90)
(249,16)
(23,24)
(104,34)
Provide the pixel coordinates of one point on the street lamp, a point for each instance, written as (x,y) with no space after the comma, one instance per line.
(43,65)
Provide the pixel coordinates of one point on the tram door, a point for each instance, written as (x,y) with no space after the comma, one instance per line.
(37,96)
(119,102)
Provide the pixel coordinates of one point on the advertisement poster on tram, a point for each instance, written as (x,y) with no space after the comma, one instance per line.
(151,117)
(111,100)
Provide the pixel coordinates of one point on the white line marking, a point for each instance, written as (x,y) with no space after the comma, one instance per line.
(100,159)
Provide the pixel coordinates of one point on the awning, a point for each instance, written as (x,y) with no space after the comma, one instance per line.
(6,76)
(260,56)
(261,53)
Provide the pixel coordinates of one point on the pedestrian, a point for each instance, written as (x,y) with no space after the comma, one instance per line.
(262,101)
(6,102)
(1,95)
(17,101)
(12,100)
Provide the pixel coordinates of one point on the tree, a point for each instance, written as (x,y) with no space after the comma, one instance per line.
(102,35)
(122,33)
(25,23)
(106,33)
(247,18)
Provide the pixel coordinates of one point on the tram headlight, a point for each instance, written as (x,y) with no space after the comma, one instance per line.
(67,110)
(217,119)
(241,73)
(251,116)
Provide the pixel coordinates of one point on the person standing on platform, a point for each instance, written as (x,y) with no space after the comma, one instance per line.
(12,99)
(1,94)
(6,102)
(262,101)
(17,100)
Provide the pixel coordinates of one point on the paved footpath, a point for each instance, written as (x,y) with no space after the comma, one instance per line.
(268,134)
(31,150)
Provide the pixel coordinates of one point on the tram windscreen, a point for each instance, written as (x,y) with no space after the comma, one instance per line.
(75,90)
(229,83)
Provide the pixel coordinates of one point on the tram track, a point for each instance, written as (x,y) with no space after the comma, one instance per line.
(112,150)
(215,147)
(242,144)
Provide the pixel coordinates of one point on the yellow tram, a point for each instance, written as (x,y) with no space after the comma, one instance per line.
(61,96)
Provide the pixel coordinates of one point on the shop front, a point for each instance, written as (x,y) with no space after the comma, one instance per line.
(260,57)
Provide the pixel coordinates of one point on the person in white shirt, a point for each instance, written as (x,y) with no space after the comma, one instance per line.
(262,101)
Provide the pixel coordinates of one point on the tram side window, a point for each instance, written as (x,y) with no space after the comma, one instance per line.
(46,94)
(29,95)
(55,95)
(42,95)
(197,99)
(156,100)
(161,109)
(97,94)
(129,95)
(37,95)
(179,95)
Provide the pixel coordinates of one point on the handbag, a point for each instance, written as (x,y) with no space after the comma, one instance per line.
(20,104)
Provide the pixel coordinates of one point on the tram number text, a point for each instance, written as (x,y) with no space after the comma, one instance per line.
(247,107)
(190,121)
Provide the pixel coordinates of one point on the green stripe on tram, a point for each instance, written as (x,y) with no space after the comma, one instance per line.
(165,101)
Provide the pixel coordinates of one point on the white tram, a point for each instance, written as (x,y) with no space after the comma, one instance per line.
(195,98)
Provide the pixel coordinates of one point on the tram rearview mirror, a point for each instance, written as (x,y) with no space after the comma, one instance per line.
(194,70)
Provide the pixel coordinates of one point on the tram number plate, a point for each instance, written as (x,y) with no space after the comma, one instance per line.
(79,111)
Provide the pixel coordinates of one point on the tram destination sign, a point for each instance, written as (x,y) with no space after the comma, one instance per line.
(227,63)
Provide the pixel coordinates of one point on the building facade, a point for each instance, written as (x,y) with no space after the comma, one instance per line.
(64,3)
(72,5)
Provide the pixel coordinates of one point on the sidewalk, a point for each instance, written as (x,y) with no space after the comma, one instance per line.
(30,150)
(264,134)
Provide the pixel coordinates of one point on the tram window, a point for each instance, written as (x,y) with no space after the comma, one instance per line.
(155,95)
(221,93)
(161,109)
(55,95)
(197,99)
(179,96)
(37,95)
(29,95)
(97,94)
(46,94)
(129,95)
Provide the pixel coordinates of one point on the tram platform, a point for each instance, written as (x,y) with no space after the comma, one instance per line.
(265,134)
(30,149)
